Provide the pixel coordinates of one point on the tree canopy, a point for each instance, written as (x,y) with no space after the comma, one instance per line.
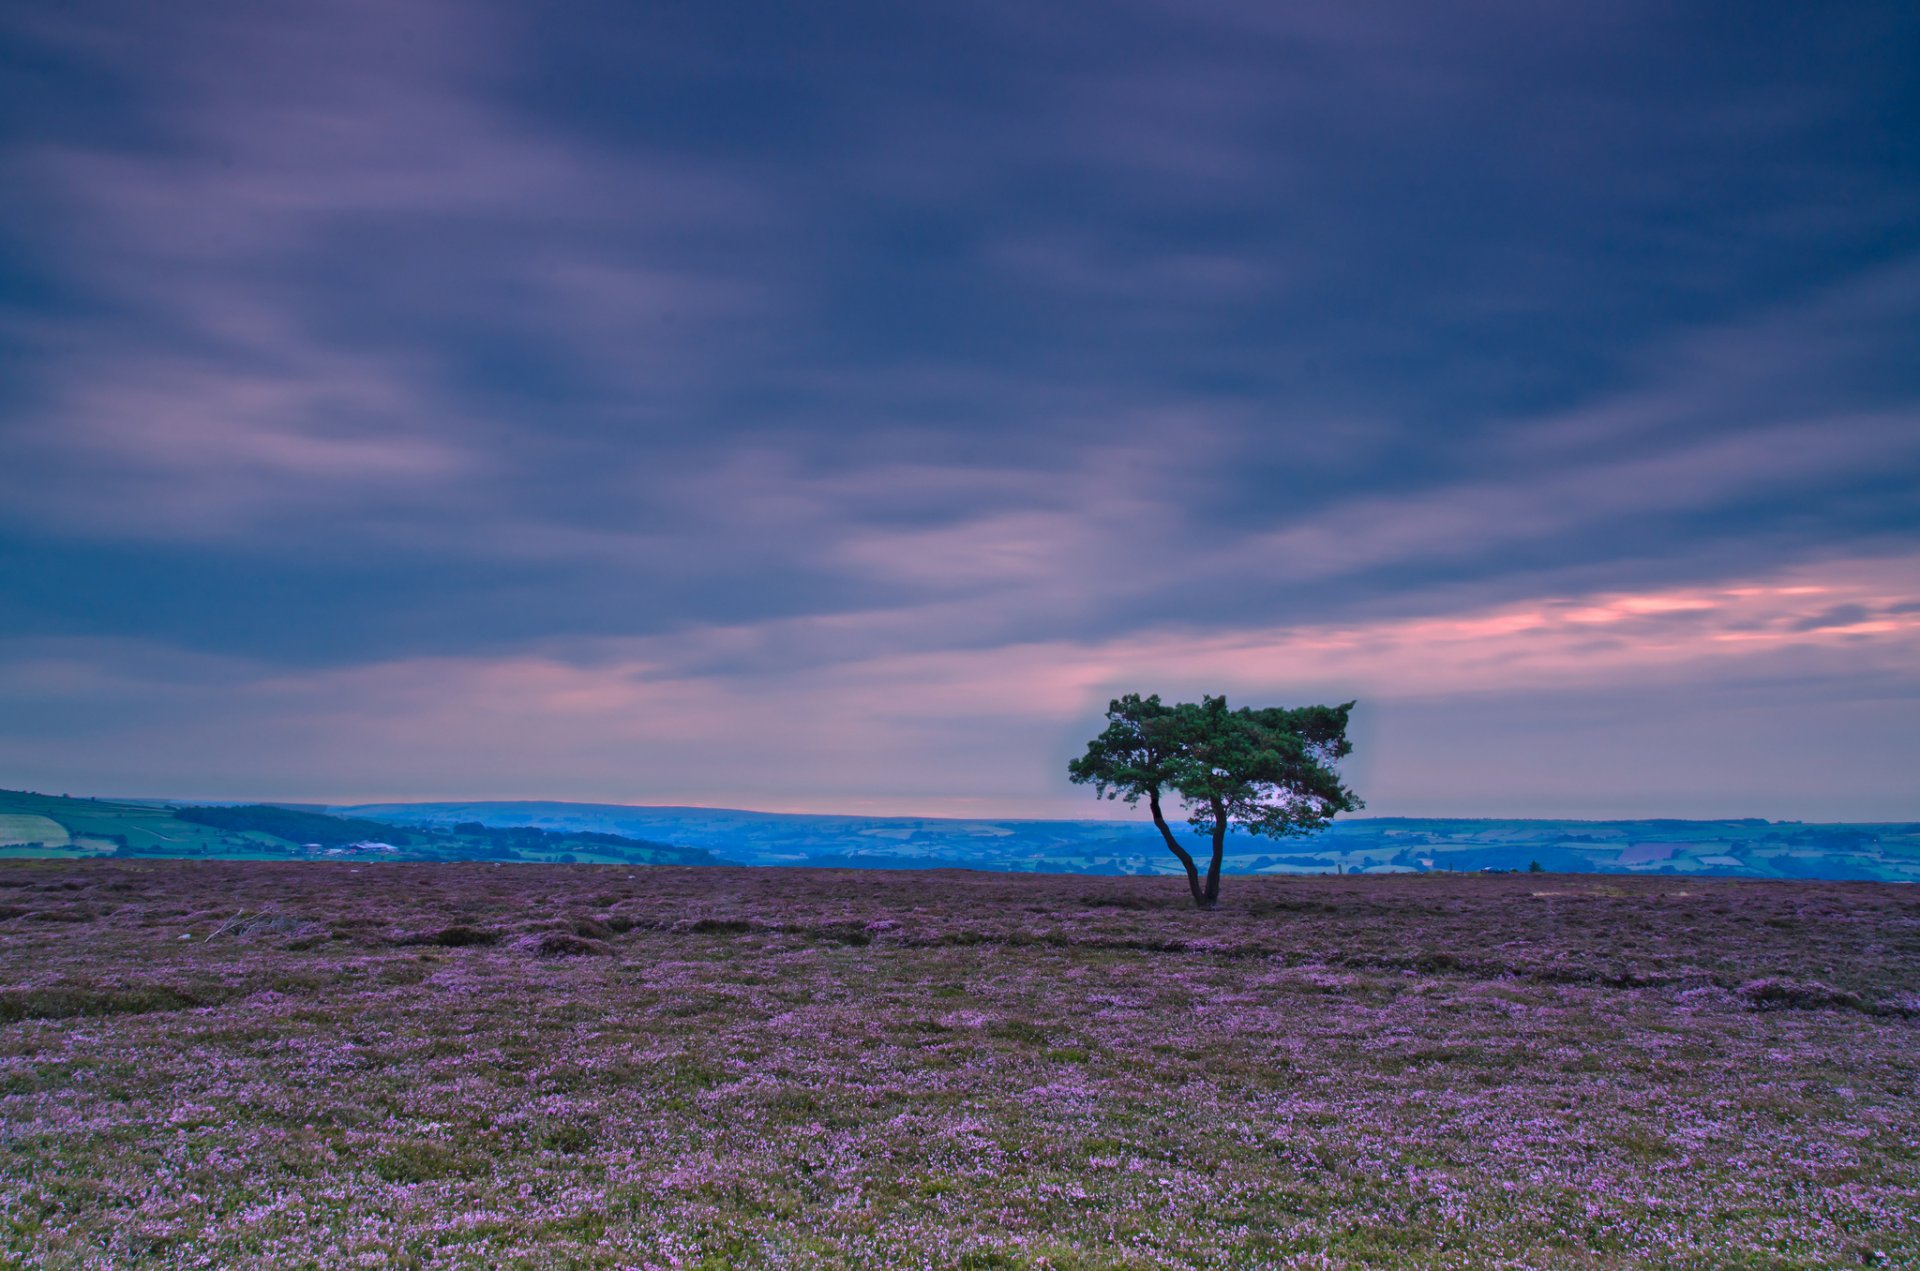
(1267,771)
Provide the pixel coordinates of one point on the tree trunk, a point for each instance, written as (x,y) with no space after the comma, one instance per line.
(1219,851)
(1200,897)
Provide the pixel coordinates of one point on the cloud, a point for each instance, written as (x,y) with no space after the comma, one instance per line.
(981,363)
(286,303)
(916,729)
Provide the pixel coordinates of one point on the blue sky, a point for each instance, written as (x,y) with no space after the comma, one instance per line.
(830,407)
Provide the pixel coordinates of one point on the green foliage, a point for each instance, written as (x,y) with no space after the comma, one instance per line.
(1268,771)
(1138,754)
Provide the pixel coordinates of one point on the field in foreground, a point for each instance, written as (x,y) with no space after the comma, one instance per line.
(230,1064)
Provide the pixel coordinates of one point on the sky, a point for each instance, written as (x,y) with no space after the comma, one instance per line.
(830,407)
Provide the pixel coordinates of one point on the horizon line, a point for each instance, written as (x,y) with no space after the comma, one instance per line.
(332,805)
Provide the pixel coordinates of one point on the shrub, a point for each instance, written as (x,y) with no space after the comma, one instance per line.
(66,1001)
(556,944)
(1797,995)
(457,936)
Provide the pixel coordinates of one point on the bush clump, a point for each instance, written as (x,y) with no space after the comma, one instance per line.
(457,936)
(1797,995)
(61,915)
(65,1001)
(558,944)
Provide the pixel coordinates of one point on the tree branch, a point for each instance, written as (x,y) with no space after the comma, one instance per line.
(1173,845)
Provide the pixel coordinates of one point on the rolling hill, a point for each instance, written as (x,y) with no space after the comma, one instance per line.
(1750,848)
(58,825)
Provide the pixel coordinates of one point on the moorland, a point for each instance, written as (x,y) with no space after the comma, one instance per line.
(253,1064)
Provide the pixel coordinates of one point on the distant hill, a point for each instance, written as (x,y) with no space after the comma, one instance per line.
(1749,848)
(55,825)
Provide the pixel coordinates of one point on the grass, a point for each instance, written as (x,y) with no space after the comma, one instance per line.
(144,827)
(467,1065)
(30,828)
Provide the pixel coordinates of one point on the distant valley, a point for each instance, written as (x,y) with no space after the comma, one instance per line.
(585,833)
(1730,848)
(56,825)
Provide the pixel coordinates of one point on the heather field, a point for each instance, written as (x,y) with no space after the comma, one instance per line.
(258,1064)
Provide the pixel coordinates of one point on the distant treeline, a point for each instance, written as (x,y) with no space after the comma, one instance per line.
(465,839)
(295,826)
(521,838)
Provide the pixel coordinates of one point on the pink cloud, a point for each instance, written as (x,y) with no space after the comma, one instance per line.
(921,728)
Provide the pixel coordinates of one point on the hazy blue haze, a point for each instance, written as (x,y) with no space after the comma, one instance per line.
(1747,848)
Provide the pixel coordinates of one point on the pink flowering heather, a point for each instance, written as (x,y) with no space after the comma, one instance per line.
(254,1065)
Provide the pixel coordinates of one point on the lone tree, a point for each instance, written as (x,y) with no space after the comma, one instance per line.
(1267,771)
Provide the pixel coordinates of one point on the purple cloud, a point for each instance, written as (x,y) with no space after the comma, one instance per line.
(646,364)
